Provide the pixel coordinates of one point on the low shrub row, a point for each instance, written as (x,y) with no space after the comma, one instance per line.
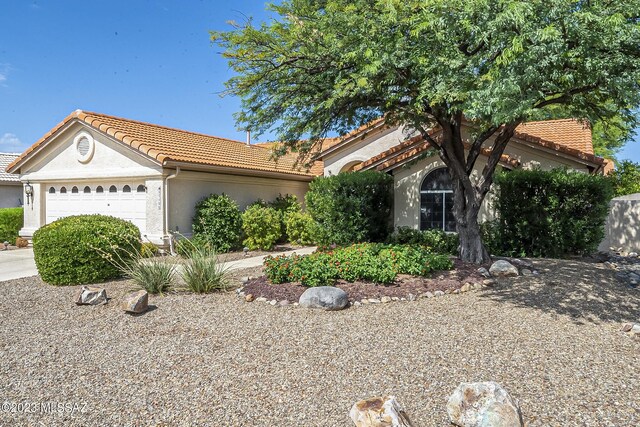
(436,241)
(11,221)
(375,262)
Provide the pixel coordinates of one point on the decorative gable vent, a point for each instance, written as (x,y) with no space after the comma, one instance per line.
(85,147)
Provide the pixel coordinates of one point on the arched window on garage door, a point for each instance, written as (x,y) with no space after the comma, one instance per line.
(87,189)
(113,189)
(74,190)
(126,189)
(436,201)
(52,190)
(141,188)
(99,189)
(63,190)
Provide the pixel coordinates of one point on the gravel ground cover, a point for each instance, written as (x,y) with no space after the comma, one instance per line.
(552,341)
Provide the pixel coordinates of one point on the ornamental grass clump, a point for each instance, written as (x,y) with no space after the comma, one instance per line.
(202,273)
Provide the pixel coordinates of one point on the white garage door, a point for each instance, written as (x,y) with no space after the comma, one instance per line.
(126,201)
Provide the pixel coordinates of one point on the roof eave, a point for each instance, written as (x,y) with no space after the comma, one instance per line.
(200,167)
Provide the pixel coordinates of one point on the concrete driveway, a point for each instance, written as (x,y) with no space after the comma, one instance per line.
(17,263)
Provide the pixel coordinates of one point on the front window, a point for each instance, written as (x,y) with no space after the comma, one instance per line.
(436,201)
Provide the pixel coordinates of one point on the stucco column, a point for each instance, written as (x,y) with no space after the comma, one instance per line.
(34,211)
(155,212)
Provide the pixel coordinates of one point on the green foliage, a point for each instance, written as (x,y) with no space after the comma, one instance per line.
(436,241)
(323,67)
(351,207)
(301,228)
(494,62)
(550,213)
(11,221)
(377,263)
(187,246)
(626,178)
(202,273)
(81,249)
(262,227)
(155,275)
(285,206)
(218,221)
(148,250)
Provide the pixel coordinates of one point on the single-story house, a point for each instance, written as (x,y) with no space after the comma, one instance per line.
(151,175)
(10,186)
(422,187)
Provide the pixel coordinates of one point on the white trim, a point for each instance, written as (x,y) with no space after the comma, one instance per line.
(84,158)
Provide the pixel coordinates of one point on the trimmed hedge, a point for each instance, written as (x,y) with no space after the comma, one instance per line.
(301,228)
(549,213)
(218,221)
(11,221)
(75,250)
(351,207)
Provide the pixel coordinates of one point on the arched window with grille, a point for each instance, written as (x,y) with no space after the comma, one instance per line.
(126,189)
(436,201)
(113,189)
(52,190)
(87,189)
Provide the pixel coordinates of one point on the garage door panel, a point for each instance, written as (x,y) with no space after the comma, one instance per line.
(130,206)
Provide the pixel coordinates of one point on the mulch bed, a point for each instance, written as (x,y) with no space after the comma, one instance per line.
(403,286)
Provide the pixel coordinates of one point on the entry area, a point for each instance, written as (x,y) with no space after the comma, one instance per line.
(122,200)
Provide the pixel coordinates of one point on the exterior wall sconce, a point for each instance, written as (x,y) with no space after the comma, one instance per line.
(28,191)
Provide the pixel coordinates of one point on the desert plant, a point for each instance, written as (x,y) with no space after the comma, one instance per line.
(80,249)
(218,220)
(202,273)
(11,221)
(186,246)
(261,226)
(155,276)
(148,250)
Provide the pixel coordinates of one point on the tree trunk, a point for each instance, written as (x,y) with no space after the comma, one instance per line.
(465,211)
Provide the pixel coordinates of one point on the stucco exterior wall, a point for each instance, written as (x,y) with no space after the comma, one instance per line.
(622,229)
(10,195)
(58,163)
(189,187)
(363,150)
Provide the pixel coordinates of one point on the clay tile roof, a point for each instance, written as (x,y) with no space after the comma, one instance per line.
(5,160)
(165,144)
(566,132)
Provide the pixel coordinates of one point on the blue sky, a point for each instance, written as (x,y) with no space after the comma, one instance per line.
(147,60)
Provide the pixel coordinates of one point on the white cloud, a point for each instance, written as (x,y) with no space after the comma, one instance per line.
(9,142)
(3,77)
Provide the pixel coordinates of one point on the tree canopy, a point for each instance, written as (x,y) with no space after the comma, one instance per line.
(328,66)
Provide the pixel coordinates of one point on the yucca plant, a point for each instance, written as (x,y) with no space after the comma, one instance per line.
(202,273)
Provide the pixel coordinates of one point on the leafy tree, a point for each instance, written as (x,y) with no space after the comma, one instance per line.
(330,65)
(626,178)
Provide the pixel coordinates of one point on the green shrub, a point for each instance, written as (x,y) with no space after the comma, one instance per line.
(351,207)
(626,178)
(219,221)
(261,227)
(81,249)
(437,241)
(148,250)
(11,221)
(285,206)
(202,273)
(301,228)
(377,263)
(185,247)
(550,213)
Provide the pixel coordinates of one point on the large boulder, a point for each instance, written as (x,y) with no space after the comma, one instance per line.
(324,297)
(91,295)
(502,268)
(136,302)
(379,412)
(484,404)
